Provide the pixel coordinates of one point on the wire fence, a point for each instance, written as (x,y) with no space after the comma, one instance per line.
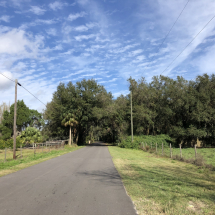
(6,155)
(198,156)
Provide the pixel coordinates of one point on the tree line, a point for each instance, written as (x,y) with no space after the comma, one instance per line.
(184,110)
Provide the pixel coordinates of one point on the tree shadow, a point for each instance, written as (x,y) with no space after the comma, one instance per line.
(107,177)
(99,143)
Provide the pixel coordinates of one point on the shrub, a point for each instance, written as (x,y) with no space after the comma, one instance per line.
(9,143)
(159,139)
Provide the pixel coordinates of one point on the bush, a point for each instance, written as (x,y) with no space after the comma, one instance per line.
(9,143)
(159,139)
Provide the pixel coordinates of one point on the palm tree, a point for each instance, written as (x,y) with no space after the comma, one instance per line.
(69,120)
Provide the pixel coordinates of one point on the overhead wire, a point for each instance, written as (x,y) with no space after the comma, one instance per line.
(33,95)
(188,44)
(23,88)
(173,26)
(7,77)
(171,29)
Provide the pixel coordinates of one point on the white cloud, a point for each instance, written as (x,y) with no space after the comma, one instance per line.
(84,37)
(109,81)
(16,42)
(3,3)
(45,21)
(39,22)
(136,52)
(4,82)
(81,28)
(122,92)
(37,10)
(83,2)
(57,5)
(75,16)
(58,47)
(123,49)
(51,31)
(139,59)
(5,18)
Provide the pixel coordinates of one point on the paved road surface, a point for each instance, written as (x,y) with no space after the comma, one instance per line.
(83,182)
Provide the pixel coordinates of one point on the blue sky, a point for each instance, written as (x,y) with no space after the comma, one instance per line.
(43,43)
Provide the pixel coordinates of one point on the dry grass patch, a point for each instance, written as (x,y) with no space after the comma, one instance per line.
(164,186)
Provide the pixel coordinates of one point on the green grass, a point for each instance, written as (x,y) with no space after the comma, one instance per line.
(208,154)
(30,159)
(164,186)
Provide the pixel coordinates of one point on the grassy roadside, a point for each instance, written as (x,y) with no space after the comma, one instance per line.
(164,186)
(15,165)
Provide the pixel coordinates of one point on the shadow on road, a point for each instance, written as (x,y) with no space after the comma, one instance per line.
(99,143)
(109,177)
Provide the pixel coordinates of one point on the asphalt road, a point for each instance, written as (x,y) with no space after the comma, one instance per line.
(83,182)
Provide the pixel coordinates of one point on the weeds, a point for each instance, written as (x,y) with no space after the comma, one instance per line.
(163,186)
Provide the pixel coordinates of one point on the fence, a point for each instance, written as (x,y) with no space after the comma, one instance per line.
(198,156)
(35,148)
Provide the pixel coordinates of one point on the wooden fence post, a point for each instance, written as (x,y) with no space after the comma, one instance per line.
(180,151)
(21,150)
(42,147)
(46,147)
(151,145)
(5,154)
(49,147)
(162,148)
(33,149)
(170,150)
(195,152)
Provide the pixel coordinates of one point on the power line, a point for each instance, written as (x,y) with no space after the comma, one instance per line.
(23,88)
(7,77)
(171,29)
(33,95)
(173,25)
(188,44)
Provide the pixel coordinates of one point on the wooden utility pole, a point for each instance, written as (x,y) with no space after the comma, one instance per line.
(14,125)
(131,120)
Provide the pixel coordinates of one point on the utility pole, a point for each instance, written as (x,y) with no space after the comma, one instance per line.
(131,120)
(14,125)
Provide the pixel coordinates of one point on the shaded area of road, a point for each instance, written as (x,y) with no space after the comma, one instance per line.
(78,183)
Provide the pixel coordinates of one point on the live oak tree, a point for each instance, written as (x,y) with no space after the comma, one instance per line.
(182,109)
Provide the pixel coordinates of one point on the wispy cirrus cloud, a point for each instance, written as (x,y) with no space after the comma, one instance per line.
(57,5)
(84,37)
(52,31)
(5,18)
(75,16)
(37,10)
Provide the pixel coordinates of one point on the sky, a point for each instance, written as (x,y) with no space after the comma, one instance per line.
(43,43)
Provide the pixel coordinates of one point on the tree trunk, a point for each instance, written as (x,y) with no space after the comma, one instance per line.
(77,138)
(147,131)
(70,135)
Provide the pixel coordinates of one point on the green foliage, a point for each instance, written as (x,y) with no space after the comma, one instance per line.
(83,102)
(184,110)
(9,143)
(25,117)
(138,140)
(31,135)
